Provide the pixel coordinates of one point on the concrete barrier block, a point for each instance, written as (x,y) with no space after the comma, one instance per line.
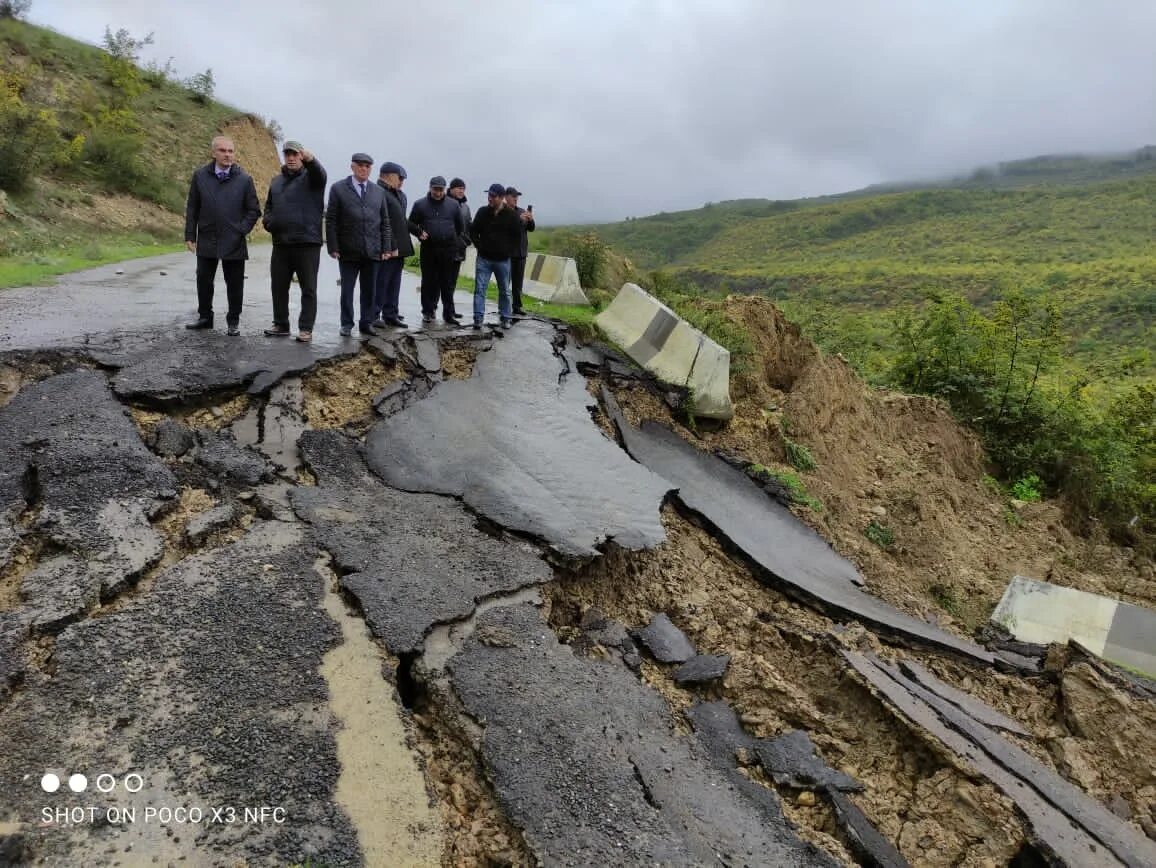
(666,345)
(1042,613)
(548,278)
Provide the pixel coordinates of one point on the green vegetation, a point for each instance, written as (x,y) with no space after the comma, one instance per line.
(879,534)
(798,455)
(1023,295)
(39,268)
(790,483)
(78,122)
(945,597)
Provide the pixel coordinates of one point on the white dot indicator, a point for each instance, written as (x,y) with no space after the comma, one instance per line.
(133,782)
(106,783)
(78,783)
(50,783)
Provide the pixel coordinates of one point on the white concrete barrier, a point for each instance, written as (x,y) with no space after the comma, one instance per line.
(675,352)
(548,278)
(1042,613)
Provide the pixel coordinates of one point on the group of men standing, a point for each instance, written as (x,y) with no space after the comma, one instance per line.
(365,229)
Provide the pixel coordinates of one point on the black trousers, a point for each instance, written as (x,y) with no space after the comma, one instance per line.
(234,271)
(517,275)
(303,260)
(437,281)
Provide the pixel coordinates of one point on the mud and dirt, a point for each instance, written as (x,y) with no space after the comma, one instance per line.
(340,394)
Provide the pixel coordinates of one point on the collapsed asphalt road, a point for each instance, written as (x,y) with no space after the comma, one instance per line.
(233,629)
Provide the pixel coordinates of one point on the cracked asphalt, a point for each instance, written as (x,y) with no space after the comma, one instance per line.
(193,664)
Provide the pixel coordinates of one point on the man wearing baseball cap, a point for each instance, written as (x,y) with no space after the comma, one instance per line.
(357,230)
(495,233)
(294,209)
(518,260)
(437,221)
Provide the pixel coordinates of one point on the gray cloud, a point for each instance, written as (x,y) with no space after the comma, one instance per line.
(599,110)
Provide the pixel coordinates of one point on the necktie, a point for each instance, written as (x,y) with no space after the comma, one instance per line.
(361,190)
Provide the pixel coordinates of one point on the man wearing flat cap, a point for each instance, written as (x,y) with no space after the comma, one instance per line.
(391,176)
(294,210)
(437,222)
(495,233)
(518,261)
(357,231)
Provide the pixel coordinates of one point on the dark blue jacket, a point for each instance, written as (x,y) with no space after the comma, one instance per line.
(220,214)
(295,205)
(357,228)
(441,220)
(396,202)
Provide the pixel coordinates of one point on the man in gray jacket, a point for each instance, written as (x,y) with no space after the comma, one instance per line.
(357,231)
(458,192)
(294,209)
(221,210)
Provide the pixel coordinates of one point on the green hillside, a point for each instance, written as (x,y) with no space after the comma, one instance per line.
(96,149)
(1024,295)
(842,263)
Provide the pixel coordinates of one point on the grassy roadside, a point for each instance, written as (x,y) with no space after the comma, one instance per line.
(40,268)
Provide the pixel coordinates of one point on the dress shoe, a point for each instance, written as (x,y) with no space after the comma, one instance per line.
(233,331)
(277,331)
(346,331)
(304,337)
(202,323)
(426,318)
(477,325)
(398,323)
(519,312)
(379,324)
(365,330)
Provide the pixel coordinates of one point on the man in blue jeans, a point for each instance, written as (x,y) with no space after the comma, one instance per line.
(496,233)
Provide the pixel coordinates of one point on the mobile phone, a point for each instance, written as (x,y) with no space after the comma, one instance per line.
(530,208)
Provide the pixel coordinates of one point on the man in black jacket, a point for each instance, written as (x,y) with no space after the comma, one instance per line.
(495,233)
(294,209)
(221,210)
(357,231)
(437,222)
(518,261)
(458,193)
(388,287)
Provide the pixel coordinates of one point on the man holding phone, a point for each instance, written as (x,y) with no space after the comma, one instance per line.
(518,260)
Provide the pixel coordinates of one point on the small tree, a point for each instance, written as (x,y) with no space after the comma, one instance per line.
(202,85)
(14,8)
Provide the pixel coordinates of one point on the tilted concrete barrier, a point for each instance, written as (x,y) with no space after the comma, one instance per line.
(548,278)
(667,346)
(1042,613)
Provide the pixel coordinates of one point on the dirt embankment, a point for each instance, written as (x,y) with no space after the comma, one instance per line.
(899,464)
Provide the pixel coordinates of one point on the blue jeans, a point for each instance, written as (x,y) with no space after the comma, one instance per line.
(500,268)
(361,272)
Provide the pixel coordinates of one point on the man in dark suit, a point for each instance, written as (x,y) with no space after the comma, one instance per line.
(385,298)
(358,234)
(221,210)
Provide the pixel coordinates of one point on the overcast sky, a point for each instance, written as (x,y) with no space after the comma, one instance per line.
(602,109)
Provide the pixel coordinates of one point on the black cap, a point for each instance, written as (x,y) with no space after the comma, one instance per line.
(496,190)
(437,181)
(513,191)
(393,169)
(457,182)
(359,157)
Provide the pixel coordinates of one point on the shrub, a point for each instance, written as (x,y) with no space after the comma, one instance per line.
(879,534)
(29,138)
(799,456)
(588,252)
(14,8)
(202,86)
(1028,489)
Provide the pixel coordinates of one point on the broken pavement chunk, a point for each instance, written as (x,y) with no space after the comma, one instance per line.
(791,760)
(209,522)
(665,641)
(981,712)
(864,840)
(702,667)
(173,439)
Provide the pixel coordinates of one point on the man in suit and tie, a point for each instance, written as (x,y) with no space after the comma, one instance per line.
(358,234)
(221,210)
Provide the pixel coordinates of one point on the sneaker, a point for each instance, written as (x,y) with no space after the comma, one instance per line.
(305,337)
(233,331)
(277,331)
(477,325)
(507,322)
(346,331)
(202,323)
